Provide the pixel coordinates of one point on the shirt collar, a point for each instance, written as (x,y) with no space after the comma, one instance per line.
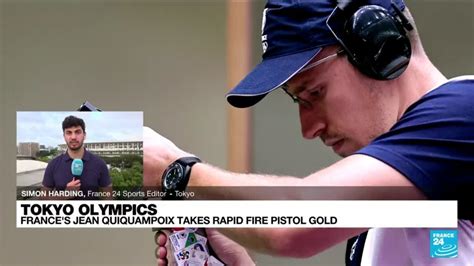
(85,157)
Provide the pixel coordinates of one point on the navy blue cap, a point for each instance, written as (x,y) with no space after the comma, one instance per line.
(293,33)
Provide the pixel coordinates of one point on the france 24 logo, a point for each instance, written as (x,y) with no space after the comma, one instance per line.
(444,243)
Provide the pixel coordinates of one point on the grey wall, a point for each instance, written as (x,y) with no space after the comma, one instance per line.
(447,32)
(166,58)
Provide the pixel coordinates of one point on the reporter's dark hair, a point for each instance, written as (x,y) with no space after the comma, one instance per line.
(72,121)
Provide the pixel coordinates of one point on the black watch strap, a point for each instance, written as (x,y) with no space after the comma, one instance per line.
(189,160)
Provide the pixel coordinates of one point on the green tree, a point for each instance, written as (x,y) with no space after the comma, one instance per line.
(129,179)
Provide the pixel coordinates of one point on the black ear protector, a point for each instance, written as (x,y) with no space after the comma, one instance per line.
(376,42)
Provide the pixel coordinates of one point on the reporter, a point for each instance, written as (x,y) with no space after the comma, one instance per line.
(58,175)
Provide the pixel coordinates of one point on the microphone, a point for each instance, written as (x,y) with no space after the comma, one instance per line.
(76,168)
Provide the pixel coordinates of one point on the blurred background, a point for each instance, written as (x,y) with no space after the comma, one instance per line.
(174,61)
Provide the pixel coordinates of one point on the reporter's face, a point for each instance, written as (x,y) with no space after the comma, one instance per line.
(344,108)
(74,137)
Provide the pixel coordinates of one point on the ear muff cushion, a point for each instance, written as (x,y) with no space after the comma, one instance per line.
(379,47)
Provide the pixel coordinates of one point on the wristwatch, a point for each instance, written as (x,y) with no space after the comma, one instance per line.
(176,177)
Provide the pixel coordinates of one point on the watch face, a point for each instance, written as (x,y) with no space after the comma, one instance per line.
(174,174)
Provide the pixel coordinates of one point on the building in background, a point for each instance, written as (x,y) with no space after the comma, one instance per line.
(28,149)
(114,148)
(43,148)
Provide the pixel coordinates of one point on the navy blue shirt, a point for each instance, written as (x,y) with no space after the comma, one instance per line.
(432,144)
(94,175)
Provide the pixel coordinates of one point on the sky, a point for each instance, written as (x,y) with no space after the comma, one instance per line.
(46,127)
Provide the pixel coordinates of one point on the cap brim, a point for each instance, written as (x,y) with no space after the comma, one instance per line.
(267,76)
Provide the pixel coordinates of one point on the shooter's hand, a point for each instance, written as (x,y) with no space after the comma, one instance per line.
(227,251)
(158,153)
(164,252)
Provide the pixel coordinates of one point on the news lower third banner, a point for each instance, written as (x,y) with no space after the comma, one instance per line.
(234,214)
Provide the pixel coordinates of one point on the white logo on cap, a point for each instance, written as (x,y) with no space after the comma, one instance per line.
(264,36)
